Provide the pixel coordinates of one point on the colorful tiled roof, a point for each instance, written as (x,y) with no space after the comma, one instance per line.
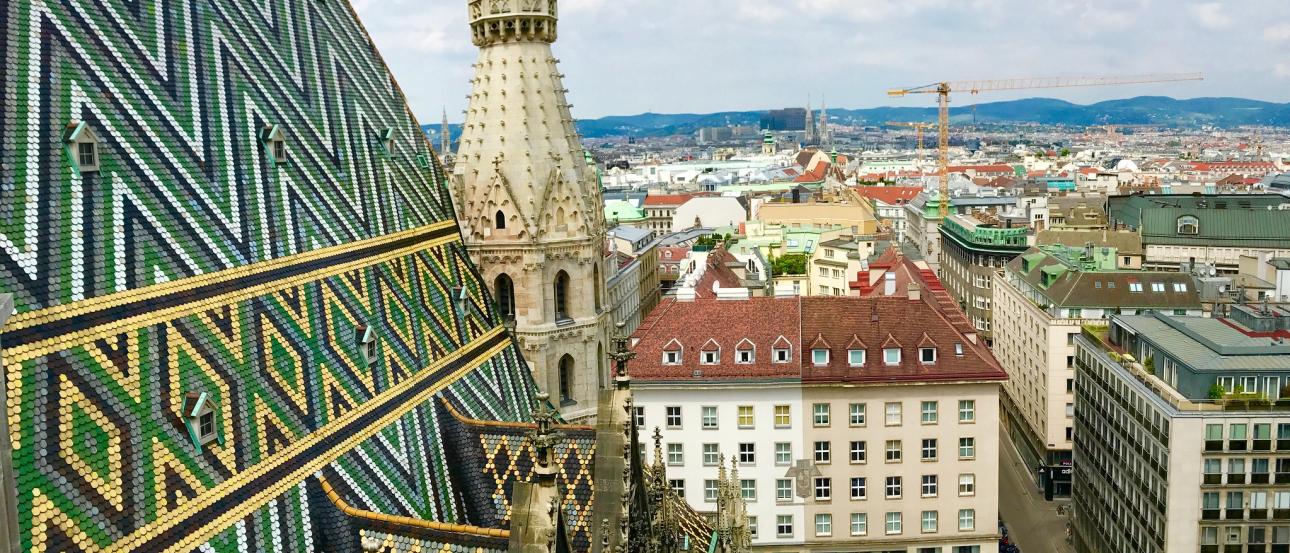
(194,259)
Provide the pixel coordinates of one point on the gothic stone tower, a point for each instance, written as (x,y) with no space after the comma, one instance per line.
(529,205)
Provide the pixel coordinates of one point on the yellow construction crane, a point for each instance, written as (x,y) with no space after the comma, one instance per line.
(943,89)
(917,126)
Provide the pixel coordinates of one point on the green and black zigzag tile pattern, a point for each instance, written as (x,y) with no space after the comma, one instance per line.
(191,261)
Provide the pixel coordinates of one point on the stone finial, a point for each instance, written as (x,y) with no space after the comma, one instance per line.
(621,355)
(544,438)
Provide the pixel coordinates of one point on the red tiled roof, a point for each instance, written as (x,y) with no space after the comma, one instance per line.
(678,253)
(837,323)
(816,174)
(762,320)
(901,323)
(674,200)
(890,195)
(717,271)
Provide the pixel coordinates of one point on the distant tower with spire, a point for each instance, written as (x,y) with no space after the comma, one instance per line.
(810,122)
(529,203)
(445,138)
(823,127)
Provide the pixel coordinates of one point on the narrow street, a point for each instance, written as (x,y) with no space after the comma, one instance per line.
(1033,523)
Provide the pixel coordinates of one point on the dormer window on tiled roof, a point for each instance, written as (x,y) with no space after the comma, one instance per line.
(366,342)
(745,352)
(275,143)
(891,356)
(386,140)
(672,352)
(927,356)
(820,357)
(200,416)
(710,354)
(782,350)
(855,357)
(83,145)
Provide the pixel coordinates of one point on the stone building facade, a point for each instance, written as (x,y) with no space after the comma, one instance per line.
(529,204)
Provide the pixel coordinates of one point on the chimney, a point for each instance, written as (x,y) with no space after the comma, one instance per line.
(915,291)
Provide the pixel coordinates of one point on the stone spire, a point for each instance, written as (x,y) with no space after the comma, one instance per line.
(529,203)
(810,122)
(445,138)
(824,123)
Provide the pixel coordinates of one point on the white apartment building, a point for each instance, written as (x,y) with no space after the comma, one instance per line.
(867,423)
(759,423)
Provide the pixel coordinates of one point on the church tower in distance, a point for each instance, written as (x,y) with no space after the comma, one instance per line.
(529,204)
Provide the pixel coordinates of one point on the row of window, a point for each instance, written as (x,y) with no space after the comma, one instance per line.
(823,452)
(929,522)
(821,414)
(747,354)
(1237,500)
(1253,535)
(822,488)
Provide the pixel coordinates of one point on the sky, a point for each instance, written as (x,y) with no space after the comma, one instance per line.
(623,57)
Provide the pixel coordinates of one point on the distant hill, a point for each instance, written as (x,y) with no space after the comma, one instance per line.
(1142,110)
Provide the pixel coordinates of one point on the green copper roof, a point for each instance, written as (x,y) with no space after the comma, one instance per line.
(618,210)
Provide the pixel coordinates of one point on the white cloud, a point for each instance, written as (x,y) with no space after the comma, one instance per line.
(629,56)
(1277,33)
(1212,15)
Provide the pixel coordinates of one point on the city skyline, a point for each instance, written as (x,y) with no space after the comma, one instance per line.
(762,56)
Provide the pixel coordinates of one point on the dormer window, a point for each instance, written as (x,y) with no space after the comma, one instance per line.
(744,352)
(672,353)
(820,357)
(200,416)
(782,350)
(891,356)
(275,143)
(855,357)
(366,342)
(386,139)
(711,353)
(1188,224)
(83,145)
(927,356)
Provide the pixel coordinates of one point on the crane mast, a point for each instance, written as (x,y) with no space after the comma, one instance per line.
(943,89)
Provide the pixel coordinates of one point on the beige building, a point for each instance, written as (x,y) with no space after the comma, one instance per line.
(529,206)
(855,218)
(834,264)
(1042,299)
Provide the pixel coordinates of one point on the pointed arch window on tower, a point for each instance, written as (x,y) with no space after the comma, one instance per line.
(504,294)
(559,217)
(595,284)
(562,297)
(499,220)
(566,379)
